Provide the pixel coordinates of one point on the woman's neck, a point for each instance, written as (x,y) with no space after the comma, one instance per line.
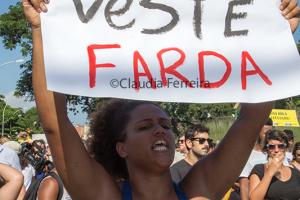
(284,173)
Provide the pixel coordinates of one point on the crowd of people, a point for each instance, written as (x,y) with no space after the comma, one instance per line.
(271,172)
(27,171)
(132,149)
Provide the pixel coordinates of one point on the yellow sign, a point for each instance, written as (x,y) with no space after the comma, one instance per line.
(282,117)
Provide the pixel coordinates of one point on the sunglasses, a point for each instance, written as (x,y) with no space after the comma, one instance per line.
(202,140)
(273,146)
(180,141)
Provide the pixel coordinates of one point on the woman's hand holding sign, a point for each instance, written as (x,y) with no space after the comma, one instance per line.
(32,10)
(289,8)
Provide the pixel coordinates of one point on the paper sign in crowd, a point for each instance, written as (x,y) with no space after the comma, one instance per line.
(184,51)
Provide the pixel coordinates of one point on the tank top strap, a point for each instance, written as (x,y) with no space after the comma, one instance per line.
(127,194)
(179,193)
(126,191)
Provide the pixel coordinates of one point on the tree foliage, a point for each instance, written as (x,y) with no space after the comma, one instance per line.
(16,120)
(15,32)
(183,114)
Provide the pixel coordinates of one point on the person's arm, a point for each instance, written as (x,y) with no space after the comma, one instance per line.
(212,176)
(14,182)
(244,188)
(22,193)
(83,177)
(48,189)
(259,188)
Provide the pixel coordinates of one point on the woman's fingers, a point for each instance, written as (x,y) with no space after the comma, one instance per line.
(289,8)
(31,13)
(43,7)
(294,13)
(39,5)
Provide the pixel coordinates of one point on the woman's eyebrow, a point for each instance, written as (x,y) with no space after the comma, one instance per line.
(150,119)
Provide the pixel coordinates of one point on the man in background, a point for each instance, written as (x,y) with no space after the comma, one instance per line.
(197,143)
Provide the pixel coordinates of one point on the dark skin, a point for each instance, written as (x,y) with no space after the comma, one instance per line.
(148,167)
(48,189)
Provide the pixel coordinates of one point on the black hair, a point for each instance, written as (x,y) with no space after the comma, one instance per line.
(296,147)
(289,134)
(191,130)
(275,135)
(269,122)
(107,128)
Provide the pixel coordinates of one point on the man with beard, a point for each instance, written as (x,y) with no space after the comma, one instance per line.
(197,143)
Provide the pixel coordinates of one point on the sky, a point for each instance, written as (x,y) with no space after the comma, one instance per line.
(9,74)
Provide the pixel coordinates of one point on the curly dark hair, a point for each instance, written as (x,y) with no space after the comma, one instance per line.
(275,135)
(107,124)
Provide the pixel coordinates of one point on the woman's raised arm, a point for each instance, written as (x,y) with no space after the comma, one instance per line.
(212,176)
(83,177)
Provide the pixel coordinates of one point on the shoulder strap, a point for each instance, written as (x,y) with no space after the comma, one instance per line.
(60,184)
(179,193)
(126,191)
(31,193)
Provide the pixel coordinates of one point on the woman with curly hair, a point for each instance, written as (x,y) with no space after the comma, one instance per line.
(133,143)
(274,180)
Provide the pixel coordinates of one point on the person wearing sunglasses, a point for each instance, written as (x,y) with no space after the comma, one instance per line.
(181,145)
(274,180)
(197,143)
(181,150)
(257,156)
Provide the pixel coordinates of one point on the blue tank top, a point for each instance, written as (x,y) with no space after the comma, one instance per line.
(127,195)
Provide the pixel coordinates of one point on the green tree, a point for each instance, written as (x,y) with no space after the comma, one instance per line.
(183,115)
(15,32)
(30,121)
(16,120)
(10,117)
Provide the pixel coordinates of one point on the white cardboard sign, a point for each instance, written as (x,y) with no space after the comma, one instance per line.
(204,51)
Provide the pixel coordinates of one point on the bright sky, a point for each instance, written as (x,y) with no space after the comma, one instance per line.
(9,74)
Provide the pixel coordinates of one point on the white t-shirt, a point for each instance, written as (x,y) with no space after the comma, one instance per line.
(177,157)
(256,157)
(289,156)
(28,172)
(9,157)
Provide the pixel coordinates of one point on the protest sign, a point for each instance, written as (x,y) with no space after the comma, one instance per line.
(283,117)
(183,51)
